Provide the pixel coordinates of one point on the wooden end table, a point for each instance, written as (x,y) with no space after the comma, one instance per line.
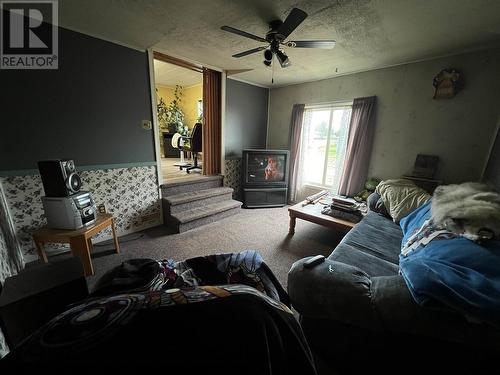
(80,240)
(312,212)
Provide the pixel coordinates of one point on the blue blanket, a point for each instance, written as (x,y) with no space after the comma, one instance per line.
(441,266)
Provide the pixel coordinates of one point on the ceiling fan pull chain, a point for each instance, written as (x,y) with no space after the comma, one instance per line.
(272,77)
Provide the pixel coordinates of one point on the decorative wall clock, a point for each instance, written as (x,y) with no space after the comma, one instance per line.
(447,83)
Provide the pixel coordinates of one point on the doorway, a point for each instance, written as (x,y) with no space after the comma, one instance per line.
(179,105)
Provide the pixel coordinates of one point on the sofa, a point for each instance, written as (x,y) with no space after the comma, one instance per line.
(357,312)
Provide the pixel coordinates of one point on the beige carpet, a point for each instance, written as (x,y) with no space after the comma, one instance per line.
(264,230)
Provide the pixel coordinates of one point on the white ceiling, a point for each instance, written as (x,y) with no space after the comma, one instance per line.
(370,34)
(170,75)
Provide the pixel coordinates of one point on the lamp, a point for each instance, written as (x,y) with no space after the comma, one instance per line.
(268,57)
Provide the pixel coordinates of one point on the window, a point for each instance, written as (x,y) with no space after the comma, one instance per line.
(324,141)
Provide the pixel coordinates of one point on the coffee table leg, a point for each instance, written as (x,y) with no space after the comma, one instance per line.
(80,248)
(291,230)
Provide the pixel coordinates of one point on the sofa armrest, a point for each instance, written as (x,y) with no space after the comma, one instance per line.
(332,290)
(376,204)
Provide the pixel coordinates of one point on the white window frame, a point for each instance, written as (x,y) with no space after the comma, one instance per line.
(323,106)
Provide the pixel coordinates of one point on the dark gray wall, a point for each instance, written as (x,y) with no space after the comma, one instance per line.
(246,117)
(492,173)
(90,109)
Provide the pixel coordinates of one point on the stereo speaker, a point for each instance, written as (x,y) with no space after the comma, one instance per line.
(59,178)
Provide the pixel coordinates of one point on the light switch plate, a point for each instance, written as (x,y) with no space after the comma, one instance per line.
(146,124)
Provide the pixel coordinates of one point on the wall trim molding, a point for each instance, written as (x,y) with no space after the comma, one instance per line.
(96,167)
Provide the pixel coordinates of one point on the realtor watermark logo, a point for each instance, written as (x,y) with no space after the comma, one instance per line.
(29,35)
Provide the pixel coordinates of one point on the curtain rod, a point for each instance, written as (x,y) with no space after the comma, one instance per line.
(338,103)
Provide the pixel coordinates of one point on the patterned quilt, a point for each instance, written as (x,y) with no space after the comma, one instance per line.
(225,313)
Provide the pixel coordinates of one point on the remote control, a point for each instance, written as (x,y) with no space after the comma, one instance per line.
(311,262)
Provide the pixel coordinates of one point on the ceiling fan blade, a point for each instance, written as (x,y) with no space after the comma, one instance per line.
(293,20)
(249,52)
(325,44)
(243,33)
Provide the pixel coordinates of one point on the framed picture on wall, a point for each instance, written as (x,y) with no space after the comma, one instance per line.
(425,166)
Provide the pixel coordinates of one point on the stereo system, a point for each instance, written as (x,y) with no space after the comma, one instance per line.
(71,212)
(59,178)
(66,207)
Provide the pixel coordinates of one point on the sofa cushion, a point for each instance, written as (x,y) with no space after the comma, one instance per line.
(373,245)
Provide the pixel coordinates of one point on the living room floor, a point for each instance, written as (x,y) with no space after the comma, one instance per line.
(264,230)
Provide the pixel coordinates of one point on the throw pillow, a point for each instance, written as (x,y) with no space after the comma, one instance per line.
(401,197)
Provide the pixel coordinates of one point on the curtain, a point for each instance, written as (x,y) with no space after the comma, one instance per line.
(14,260)
(295,142)
(359,145)
(211,122)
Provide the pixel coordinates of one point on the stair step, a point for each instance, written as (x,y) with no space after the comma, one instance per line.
(190,184)
(199,216)
(208,220)
(186,201)
(209,209)
(191,196)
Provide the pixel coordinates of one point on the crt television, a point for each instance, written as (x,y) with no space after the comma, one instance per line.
(265,167)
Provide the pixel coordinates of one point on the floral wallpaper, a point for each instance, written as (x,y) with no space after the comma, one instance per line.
(130,194)
(232,177)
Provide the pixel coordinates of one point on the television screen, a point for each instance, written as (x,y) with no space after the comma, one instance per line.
(266,167)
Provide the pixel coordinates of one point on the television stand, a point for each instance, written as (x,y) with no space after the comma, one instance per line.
(256,197)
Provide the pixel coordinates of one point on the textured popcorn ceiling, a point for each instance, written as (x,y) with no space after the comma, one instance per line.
(370,34)
(171,75)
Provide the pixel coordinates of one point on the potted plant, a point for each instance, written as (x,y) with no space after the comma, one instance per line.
(171,117)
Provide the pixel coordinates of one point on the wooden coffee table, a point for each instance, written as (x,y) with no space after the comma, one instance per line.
(312,213)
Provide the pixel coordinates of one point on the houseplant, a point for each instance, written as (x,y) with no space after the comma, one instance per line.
(171,116)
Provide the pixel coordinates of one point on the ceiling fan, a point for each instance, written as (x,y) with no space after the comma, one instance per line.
(275,37)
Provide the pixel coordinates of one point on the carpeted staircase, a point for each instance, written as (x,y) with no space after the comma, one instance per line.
(191,203)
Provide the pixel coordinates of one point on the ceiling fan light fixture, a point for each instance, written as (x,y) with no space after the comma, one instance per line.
(267,63)
(268,55)
(283,59)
